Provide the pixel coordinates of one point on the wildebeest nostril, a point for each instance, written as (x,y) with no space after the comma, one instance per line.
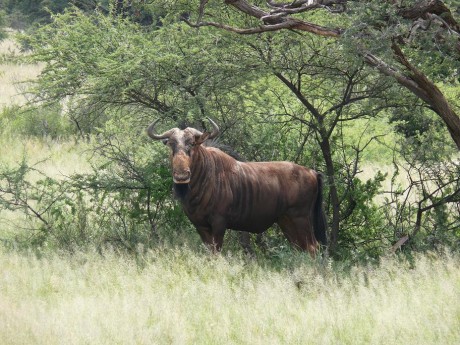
(182,172)
(182,176)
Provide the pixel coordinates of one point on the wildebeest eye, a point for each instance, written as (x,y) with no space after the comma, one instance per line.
(165,141)
(172,145)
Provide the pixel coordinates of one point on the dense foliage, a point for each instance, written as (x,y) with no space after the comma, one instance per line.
(111,69)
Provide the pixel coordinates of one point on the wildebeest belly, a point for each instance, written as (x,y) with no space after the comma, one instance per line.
(254,212)
(256,225)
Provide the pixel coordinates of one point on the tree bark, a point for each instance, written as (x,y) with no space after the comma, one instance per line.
(333,193)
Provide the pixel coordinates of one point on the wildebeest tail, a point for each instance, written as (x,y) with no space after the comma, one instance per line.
(319,217)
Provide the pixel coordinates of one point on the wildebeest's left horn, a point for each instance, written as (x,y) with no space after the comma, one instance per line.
(151,132)
(215,131)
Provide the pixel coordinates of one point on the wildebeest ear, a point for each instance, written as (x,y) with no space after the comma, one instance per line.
(199,139)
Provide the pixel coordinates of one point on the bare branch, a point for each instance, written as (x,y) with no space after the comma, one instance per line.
(292,24)
(271,21)
(201,10)
(307,5)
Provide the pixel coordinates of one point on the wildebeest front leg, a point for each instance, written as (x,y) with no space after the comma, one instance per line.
(218,232)
(245,242)
(211,238)
(206,235)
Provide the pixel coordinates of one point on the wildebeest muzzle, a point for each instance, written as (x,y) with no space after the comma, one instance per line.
(181,168)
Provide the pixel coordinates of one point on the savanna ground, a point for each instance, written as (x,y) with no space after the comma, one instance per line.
(186,296)
(178,296)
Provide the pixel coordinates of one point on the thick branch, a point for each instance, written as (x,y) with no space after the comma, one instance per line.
(434,96)
(390,71)
(293,24)
(425,9)
(272,21)
(307,5)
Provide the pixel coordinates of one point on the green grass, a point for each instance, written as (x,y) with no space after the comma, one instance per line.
(178,296)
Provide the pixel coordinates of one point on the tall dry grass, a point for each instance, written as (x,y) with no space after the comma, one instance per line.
(181,297)
(14,76)
(58,157)
(54,158)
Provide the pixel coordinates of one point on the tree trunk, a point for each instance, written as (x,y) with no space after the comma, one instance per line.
(333,193)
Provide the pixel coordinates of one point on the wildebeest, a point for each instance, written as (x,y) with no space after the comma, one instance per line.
(218,192)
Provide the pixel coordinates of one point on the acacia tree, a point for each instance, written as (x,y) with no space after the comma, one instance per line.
(413,31)
(128,74)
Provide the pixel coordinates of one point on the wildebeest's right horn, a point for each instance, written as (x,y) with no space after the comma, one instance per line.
(215,131)
(151,132)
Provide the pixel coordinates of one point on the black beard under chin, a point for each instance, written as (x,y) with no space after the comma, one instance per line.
(180,190)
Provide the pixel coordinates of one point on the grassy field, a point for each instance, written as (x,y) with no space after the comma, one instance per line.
(182,297)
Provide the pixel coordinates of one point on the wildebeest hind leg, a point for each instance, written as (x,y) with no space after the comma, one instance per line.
(299,231)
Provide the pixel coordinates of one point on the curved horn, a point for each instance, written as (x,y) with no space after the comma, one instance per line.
(151,132)
(195,132)
(215,131)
